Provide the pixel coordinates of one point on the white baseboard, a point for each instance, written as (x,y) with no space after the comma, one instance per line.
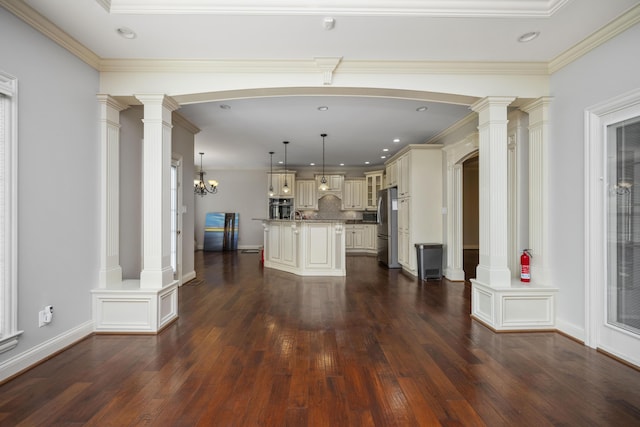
(188,276)
(27,359)
(571,330)
(249,247)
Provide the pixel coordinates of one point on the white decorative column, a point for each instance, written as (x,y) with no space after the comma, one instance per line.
(151,303)
(110,273)
(497,300)
(538,112)
(454,269)
(456,154)
(156,271)
(493,269)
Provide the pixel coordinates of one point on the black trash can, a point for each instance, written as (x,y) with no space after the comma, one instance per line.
(429,260)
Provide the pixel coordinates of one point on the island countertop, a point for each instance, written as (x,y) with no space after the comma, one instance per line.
(344,221)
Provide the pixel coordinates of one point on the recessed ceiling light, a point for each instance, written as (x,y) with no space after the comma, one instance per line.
(385,149)
(312,164)
(125,32)
(366,163)
(280,162)
(383,157)
(323,108)
(396,140)
(225,106)
(527,37)
(421,109)
(341,164)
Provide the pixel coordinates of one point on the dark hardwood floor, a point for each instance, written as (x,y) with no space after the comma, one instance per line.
(255,346)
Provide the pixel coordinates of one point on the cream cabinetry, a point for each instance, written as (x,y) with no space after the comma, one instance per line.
(335,183)
(306,194)
(305,248)
(354,235)
(419,182)
(278,180)
(403,171)
(360,238)
(370,239)
(353,194)
(373,183)
(392,174)
(404,208)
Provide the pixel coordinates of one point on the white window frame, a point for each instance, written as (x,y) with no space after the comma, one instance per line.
(9,333)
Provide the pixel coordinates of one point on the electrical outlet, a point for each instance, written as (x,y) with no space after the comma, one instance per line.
(45,316)
(41,321)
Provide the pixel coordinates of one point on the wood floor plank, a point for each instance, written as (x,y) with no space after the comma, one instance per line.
(255,346)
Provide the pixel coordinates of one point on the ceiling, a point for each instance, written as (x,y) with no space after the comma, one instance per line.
(359,128)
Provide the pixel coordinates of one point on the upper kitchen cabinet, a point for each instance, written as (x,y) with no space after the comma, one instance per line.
(353,194)
(392,174)
(373,185)
(335,183)
(278,180)
(306,194)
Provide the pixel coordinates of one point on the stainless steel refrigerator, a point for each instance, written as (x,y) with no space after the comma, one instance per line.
(388,227)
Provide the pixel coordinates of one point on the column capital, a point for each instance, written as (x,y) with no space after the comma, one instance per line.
(538,109)
(111,102)
(491,101)
(162,99)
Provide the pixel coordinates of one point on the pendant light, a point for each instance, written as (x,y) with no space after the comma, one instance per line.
(323,180)
(285,187)
(271,193)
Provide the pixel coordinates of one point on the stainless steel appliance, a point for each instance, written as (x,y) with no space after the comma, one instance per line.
(370,217)
(388,227)
(280,208)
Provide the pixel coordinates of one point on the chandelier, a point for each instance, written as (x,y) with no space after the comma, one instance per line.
(200,187)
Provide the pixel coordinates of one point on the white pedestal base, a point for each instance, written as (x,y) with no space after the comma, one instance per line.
(518,307)
(128,309)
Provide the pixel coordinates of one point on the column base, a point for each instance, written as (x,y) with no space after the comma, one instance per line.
(126,308)
(518,307)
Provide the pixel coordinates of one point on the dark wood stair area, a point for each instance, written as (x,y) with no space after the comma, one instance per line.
(255,346)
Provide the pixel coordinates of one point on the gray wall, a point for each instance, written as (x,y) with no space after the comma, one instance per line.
(182,144)
(610,70)
(58,181)
(241,191)
(131,136)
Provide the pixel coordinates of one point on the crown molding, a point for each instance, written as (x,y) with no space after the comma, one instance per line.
(311,66)
(606,33)
(469,118)
(439,8)
(207,66)
(444,67)
(49,29)
(180,120)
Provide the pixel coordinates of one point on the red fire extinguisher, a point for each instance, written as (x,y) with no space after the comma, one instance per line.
(525,262)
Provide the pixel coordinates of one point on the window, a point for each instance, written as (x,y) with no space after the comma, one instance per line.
(8,213)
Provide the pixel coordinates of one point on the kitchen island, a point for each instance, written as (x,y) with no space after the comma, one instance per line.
(305,247)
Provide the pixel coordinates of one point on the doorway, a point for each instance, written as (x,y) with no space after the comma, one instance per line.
(176,220)
(612,258)
(470,217)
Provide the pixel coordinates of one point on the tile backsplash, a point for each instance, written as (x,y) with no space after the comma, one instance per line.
(329,207)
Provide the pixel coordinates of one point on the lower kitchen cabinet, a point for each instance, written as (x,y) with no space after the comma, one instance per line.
(360,238)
